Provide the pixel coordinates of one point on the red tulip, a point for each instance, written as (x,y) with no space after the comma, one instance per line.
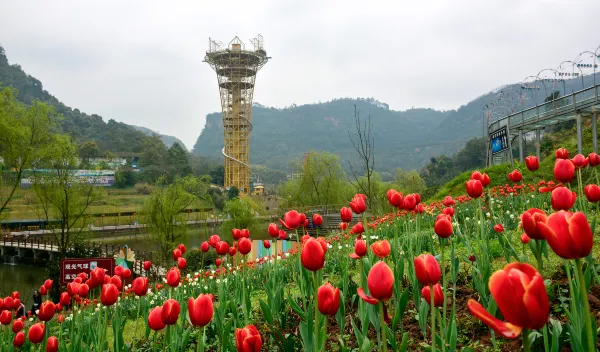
(474,188)
(486,180)
(381,248)
(52,344)
(267,244)
(232,250)
(530,220)
(176,254)
(17,326)
(181,263)
(380,282)
(36,333)
(563,198)
(204,247)
(15,295)
(515,176)
(60,319)
(343,226)
(5,317)
(562,153)
(328,299)
(65,299)
(409,202)
(119,270)
(222,248)
(568,234)
(48,284)
(182,248)
(346,214)
(213,240)
(594,159)
(244,246)
(360,249)
(438,295)
(248,339)
(201,310)
(47,310)
(448,211)
(109,294)
(313,255)
(358,204)
(97,276)
(592,193)
(218,262)
(317,220)
(291,220)
(525,239)
(395,198)
(564,170)
(580,161)
(16,304)
(155,319)
(427,269)
(282,235)
(273,230)
(43,290)
(170,312)
(358,228)
(83,290)
(126,273)
(19,339)
(443,226)
(532,163)
(116,280)
(236,234)
(526,306)
(173,277)
(499,228)
(245,233)
(448,201)
(147,265)
(9,303)
(140,286)
(476,175)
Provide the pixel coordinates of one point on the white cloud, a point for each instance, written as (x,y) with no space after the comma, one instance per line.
(140,62)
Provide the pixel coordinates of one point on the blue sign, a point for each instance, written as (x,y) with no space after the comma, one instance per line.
(499,140)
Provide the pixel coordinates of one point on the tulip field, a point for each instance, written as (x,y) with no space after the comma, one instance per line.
(504,268)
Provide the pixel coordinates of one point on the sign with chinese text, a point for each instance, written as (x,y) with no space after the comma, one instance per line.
(70,268)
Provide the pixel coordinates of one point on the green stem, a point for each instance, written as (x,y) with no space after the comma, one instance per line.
(201,340)
(586,305)
(137,318)
(545,333)
(538,255)
(360,266)
(525,336)
(383,346)
(443,321)
(432,305)
(317,332)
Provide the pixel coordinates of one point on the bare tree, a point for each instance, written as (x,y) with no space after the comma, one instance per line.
(364,144)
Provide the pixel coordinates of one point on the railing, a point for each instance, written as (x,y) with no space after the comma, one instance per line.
(568,103)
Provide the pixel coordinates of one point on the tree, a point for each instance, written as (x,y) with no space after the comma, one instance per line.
(233,193)
(177,159)
(26,134)
(364,144)
(61,196)
(89,150)
(322,181)
(242,212)
(409,181)
(217,175)
(164,213)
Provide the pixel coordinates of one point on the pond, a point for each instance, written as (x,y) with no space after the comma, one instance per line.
(25,278)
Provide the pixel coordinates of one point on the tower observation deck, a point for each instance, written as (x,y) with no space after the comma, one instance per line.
(236,69)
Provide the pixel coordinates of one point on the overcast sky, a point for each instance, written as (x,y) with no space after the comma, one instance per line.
(140,62)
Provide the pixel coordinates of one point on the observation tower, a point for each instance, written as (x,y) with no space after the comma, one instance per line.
(236,69)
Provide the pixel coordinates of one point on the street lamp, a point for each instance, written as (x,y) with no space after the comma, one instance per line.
(554,80)
(572,74)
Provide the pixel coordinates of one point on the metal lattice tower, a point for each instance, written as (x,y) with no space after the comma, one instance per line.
(236,70)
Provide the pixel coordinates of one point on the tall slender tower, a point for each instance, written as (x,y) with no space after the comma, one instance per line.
(236,69)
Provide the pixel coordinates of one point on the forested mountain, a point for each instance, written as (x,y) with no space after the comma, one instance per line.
(112,135)
(406,139)
(166,139)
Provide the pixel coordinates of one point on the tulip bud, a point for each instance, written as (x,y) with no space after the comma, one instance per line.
(109,294)
(248,339)
(562,153)
(448,201)
(204,247)
(173,277)
(360,249)
(532,163)
(525,239)
(592,193)
(317,220)
(328,299)
(346,214)
(381,248)
(313,255)
(291,220)
(140,286)
(17,326)
(273,230)
(244,246)
(427,269)
(530,220)
(201,310)
(568,234)
(181,263)
(222,248)
(438,295)
(147,265)
(443,226)
(155,319)
(499,228)
(564,170)
(170,312)
(563,198)
(47,310)
(380,282)
(52,344)
(358,204)
(515,176)
(36,333)
(474,188)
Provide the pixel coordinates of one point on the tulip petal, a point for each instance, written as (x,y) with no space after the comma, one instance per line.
(354,256)
(285,225)
(504,329)
(581,235)
(386,316)
(366,297)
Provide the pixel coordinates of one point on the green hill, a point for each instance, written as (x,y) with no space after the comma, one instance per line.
(112,135)
(166,139)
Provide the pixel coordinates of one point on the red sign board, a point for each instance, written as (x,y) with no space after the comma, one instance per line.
(70,268)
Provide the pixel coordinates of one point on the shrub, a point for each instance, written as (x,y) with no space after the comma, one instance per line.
(198,260)
(143,188)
